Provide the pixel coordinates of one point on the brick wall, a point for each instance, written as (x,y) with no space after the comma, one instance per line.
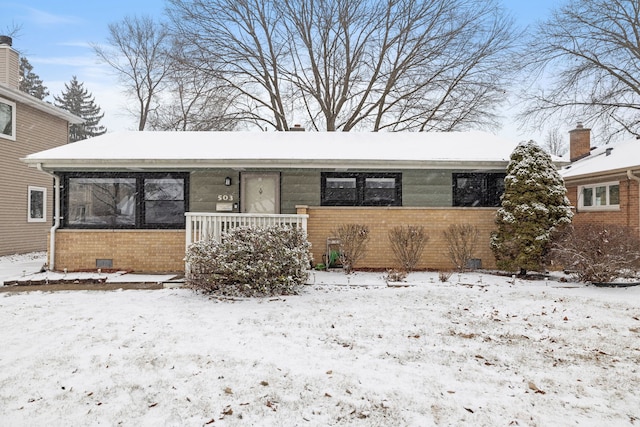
(323,220)
(134,250)
(628,215)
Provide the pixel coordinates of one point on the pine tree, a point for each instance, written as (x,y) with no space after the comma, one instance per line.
(534,208)
(77,100)
(31,82)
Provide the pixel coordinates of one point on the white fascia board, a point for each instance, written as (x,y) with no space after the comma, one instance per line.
(38,104)
(106,165)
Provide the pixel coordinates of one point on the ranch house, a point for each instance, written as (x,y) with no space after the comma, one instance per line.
(135,200)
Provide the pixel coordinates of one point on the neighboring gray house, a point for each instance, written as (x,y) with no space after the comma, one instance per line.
(27,124)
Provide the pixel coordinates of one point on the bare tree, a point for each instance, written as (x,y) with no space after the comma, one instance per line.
(138,53)
(354,64)
(193,100)
(588,51)
(554,144)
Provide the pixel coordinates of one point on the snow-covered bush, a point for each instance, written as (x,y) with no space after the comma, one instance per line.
(461,241)
(599,253)
(534,208)
(408,243)
(250,262)
(353,244)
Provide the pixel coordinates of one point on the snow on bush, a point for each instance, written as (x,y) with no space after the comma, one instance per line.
(599,253)
(250,261)
(534,208)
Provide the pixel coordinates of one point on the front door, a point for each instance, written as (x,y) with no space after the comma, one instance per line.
(260,193)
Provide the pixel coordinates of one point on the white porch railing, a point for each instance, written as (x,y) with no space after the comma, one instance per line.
(201,226)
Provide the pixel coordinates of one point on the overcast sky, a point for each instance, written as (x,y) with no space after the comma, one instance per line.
(55,37)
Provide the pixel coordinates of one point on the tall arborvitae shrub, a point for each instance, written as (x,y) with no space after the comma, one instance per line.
(250,262)
(534,207)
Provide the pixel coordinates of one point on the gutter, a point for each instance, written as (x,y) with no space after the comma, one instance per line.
(56,217)
(636,178)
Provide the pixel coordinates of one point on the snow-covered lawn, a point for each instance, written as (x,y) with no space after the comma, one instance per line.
(478,350)
(19,265)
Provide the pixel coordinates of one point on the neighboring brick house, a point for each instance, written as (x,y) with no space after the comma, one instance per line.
(602,182)
(27,124)
(126,194)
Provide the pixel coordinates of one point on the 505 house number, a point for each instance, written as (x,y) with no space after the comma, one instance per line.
(225,197)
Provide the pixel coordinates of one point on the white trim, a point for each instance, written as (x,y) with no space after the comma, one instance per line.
(44,204)
(12,104)
(32,101)
(600,207)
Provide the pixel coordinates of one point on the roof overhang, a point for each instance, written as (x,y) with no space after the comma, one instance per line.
(156,151)
(97,165)
(24,98)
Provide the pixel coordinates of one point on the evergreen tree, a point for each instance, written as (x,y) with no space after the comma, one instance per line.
(30,82)
(77,100)
(534,207)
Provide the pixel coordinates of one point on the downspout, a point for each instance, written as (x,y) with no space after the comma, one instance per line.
(636,178)
(56,217)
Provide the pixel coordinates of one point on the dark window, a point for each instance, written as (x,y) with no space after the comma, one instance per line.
(163,200)
(37,204)
(7,119)
(361,189)
(477,189)
(93,200)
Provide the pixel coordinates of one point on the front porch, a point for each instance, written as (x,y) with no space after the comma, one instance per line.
(204,225)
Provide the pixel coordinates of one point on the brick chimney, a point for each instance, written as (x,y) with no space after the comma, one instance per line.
(579,142)
(9,64)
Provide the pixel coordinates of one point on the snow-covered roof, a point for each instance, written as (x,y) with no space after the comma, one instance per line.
(606,159)
(34,102)
(192,150)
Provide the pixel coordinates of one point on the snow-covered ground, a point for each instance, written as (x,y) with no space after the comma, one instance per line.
(478,350)
(19,265)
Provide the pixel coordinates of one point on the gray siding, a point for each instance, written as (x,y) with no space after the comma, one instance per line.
(205,187)
(35,131)
(420,188)
(424,188)
(299,187)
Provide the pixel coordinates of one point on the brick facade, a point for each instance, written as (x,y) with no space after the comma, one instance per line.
(131,250)
(628,215)
(323,220)
(163,250)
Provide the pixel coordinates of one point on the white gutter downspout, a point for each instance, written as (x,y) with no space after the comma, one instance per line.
(56,217)
(636,178)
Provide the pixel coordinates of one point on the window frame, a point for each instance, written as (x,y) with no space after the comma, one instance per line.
(593,187)
(42,190)
(360,188)
(12,105)
(486,180)
(140,222)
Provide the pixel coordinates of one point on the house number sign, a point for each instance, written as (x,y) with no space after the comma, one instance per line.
(225,197)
